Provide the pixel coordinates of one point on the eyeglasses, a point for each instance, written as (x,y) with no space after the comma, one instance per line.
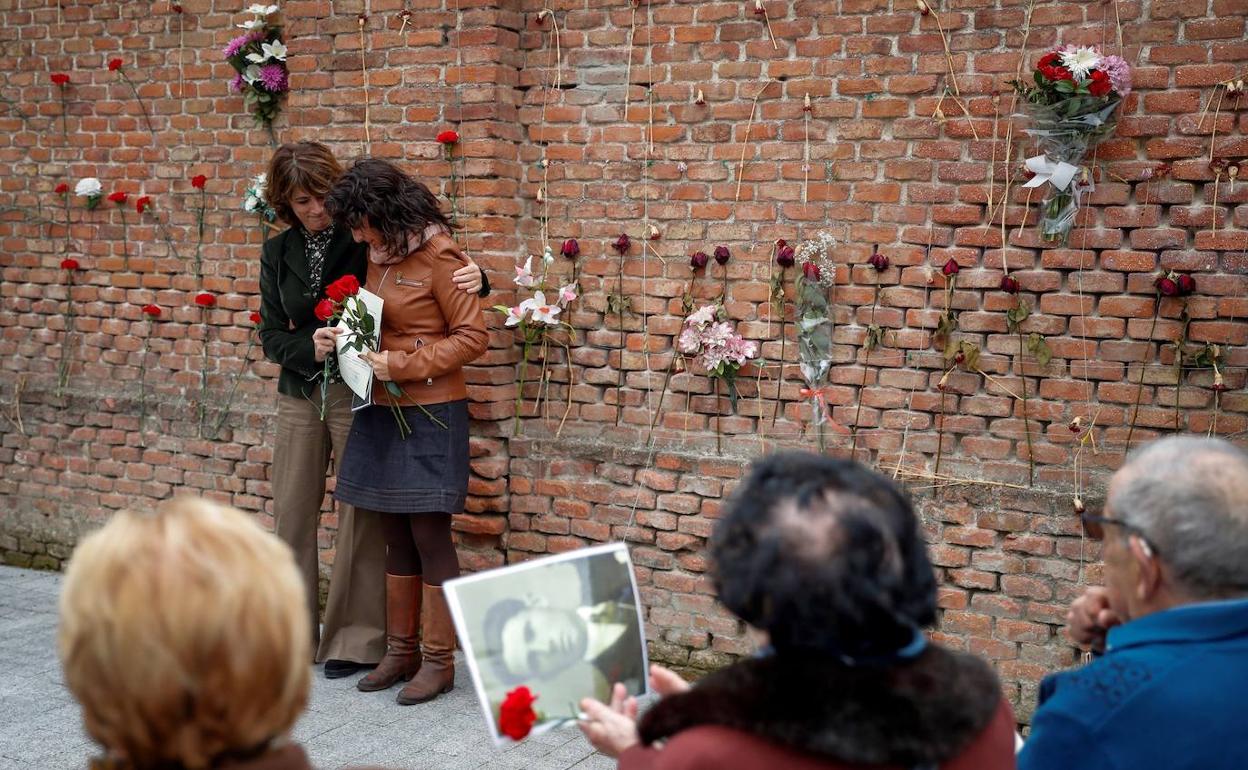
(1094,526)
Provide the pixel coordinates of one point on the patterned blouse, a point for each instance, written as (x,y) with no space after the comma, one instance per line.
(318,245)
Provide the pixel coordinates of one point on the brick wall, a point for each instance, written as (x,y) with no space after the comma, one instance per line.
(585,123)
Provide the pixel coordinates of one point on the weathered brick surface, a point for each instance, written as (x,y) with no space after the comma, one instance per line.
(627,145)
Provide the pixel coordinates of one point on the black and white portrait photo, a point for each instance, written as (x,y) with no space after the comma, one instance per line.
(566,627)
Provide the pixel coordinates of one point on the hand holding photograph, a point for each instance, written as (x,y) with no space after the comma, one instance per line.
(541,635)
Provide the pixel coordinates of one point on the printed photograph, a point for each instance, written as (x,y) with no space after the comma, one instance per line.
(566,627)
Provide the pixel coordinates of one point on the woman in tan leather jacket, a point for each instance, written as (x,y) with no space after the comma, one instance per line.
(429,331)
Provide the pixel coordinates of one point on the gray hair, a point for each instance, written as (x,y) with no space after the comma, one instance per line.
(1190,496)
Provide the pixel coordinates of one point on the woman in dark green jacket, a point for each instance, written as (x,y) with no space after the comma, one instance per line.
(295,268)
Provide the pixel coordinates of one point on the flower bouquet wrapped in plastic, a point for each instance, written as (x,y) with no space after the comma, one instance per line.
(1070,100)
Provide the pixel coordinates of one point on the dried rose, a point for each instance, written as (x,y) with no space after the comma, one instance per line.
(951,268)
(622,244)
(722,255)
(785,255)
(1186,284)
(811,271)
(1167,286)
(570,248)
(878,261)
(1009,285)
(698,260)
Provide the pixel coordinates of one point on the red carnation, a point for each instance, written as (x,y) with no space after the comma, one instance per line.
(448,137)
(198,181)
(204,299)
(255,318)
(70,264)
(1047,60)
(951,268)
(118,197)
(1009,285)
(60,78)
(516,715)
(114,65)
(811,271)
(324,310)
(152,310)
(570,248)
(622,244)
(1099,85)
(1061,73)
(698,260)
(142,203)
(62,188)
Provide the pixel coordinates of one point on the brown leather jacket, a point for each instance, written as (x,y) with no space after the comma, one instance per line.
(430,328)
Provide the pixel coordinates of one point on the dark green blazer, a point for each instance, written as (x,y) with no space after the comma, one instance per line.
(288,299)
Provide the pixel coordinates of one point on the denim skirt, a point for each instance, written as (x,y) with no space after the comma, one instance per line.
(427,472)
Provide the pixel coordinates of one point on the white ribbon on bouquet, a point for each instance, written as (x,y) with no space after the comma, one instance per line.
(1059,174)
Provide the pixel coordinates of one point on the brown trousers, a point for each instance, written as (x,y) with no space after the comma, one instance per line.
(355,612)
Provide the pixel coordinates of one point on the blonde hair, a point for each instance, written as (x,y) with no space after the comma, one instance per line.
(184,634)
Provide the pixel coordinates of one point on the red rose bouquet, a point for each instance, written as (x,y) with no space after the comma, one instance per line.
(1071,100)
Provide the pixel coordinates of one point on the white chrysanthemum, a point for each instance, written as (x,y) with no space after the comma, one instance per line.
(89,187)
(274,50)
(1080,61)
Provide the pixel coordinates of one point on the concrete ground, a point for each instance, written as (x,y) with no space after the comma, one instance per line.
(41,727)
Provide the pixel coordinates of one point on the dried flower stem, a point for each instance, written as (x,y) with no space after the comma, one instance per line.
(940,428)
(745,141)
(14,415)
(1139,385)
(224,414)
(368,139)
(775,412)
(1022,376)
(867,345)
(142,107)
(62,375)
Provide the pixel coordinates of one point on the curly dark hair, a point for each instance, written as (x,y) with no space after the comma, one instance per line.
(824,555)
(395,204)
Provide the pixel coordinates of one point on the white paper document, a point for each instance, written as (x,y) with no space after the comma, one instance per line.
(356,372)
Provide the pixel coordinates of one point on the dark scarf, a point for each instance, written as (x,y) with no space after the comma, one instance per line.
(922,712)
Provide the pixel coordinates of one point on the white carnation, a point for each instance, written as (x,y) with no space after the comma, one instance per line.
(89,187)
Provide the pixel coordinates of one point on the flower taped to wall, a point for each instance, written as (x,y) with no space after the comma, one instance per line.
(258,57)
(1071,100)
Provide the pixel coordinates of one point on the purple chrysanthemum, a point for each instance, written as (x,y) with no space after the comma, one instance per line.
(236,85)
(239,43)
(273,78)
(1119,73)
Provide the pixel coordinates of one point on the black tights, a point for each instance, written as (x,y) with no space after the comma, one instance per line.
(420,544)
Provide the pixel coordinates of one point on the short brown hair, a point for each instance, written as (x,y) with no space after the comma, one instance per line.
(184,635)
(307,166)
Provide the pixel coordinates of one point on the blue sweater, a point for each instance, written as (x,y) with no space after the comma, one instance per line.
(1170,692)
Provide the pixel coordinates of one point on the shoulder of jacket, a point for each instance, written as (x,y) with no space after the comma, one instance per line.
(443,248)
(277,244)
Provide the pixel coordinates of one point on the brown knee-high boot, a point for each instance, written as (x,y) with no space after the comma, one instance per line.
(437,672)
(402,658)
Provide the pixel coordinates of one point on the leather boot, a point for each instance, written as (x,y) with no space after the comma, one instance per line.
(437,672)
(402,658)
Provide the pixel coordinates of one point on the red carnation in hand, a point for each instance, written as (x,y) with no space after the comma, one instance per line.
(516,715)
(62,188)
(346,286)
(324,310)
(118,197)
(70,264)
(198,181)
(114,65)
(152,310)
(448,137)
(204,299)
(811,271)
(951,268)
(142,203)
(255,318)
(60,78)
